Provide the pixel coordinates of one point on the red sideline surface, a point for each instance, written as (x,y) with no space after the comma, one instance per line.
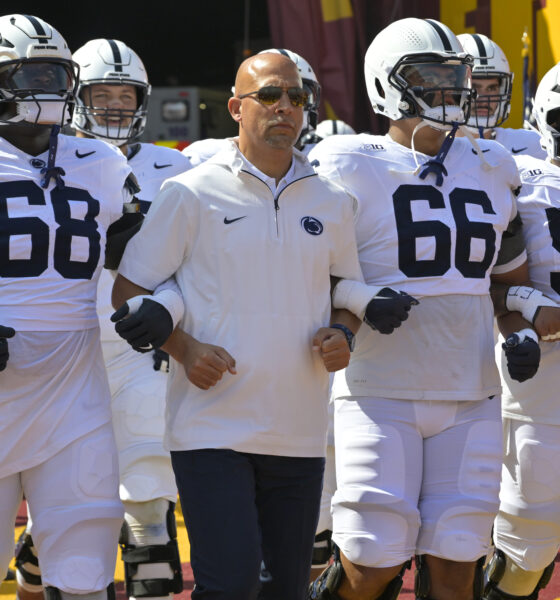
(552,591)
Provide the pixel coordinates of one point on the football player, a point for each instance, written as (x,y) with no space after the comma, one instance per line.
(492,80)
(527,528)
(61,209)
(111,105)
(201,150)
(417,413)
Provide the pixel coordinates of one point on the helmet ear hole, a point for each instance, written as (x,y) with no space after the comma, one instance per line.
(379,88)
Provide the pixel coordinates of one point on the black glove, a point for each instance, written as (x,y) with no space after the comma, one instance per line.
(161,360)
(5,332)
(523,357)
(388,309)
(146,329)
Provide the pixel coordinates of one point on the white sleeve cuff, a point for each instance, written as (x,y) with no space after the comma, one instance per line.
(172,301)
(354,296)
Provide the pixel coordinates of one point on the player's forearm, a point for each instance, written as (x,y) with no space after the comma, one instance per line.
(123,289)
(345,317)
(498,292)
(511,322)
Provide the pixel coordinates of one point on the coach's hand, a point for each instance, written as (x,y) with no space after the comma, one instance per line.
(332,346)
(388,309)
(547,323)
(144,323)
(5,333)
(205,364)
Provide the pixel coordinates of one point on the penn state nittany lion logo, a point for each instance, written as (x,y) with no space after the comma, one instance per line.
(312,225)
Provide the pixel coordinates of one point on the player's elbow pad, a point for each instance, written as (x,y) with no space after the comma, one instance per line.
(118,236)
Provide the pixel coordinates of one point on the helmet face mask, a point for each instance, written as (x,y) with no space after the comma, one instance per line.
(492,80)
(38,79)
(433,89)
(416,68)
(553,121)
(107,122)
(490,110)
(546,110)
(311,109)
(110,63)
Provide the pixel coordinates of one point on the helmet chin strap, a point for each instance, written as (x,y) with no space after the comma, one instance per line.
(51,171)
(435,165)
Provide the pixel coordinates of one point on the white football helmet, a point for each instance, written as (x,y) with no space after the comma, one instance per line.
(37,75)
(333,127)
(546,110)
(417,68)
(488,110)
(310,84)
(110,62)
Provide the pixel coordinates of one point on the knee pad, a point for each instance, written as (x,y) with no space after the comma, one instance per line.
(52,593)
(328,582)
(520,584)
(422,584)
(322,549)
(28,573)
(149,550)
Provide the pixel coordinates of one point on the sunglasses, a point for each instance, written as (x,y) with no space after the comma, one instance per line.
(271,94)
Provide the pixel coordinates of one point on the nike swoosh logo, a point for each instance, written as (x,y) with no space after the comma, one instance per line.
(474,151)
(518,150)
(228,221)
(156,166)
(78,155)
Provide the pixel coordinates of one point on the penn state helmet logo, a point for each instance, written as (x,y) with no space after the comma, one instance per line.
(312,225)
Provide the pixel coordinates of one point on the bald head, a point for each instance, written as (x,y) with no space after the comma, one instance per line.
(268,129)
(261,66)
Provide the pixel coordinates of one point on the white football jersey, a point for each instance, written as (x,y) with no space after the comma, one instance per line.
(151,165)
(539,208)
(53,246)
(438,244)
(520,141)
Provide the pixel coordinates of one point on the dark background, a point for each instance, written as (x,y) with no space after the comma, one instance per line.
(193,42)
